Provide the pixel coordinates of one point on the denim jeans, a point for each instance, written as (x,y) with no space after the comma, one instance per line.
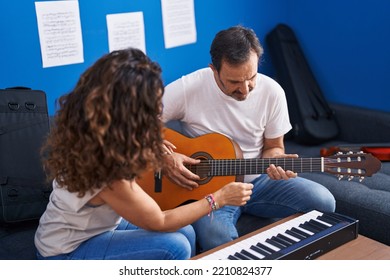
(270,199)
(128,242)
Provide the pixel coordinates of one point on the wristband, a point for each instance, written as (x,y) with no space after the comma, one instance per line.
(212,203)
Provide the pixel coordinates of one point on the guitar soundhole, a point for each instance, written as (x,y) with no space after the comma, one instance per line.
(202,169)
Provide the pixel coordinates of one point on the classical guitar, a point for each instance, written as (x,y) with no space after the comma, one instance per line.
(222,162)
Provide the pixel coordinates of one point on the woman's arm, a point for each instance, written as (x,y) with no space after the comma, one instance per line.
(131,202)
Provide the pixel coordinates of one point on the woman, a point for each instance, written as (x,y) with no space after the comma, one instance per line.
(108,132)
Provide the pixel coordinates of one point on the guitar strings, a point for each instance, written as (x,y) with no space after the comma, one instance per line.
(256,165)
(216,167)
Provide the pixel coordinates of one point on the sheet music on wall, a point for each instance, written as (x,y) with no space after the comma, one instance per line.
(59,32)
(178,22)
(126,30)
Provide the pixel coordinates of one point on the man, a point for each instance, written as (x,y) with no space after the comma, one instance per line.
(231,98)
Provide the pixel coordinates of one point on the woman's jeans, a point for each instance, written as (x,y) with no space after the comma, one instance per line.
(127,242)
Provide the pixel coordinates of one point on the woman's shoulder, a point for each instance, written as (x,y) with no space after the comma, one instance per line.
(70,200)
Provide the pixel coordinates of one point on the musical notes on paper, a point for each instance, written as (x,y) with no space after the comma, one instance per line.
(59,32)
(178,22)
(126,30)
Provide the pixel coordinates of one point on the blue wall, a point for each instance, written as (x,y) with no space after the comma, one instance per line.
(345,42)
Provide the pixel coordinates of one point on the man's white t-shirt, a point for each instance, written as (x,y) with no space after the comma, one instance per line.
(197,101)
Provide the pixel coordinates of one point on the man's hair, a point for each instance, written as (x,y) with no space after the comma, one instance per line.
(108,127)
(234,45)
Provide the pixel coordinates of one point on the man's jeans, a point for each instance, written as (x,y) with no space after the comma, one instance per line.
(270,199)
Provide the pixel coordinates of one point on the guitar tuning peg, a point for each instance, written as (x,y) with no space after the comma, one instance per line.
(350,153)
(340,177)
(361,178)
(339,153)
(350,178)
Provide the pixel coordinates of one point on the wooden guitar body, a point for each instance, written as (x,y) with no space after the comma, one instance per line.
(167,193)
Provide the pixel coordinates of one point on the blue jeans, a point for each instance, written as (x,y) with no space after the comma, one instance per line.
(270,199)
(128,242)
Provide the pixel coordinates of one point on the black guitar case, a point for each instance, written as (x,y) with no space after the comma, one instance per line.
(24,125)
(312,119)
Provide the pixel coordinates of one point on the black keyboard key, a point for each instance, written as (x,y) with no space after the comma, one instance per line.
(281,241)
(295,234)
(230,257)
(268,249)
(260,251)
(308,227)
(314,225)
(287,239)
(274,243)
(327,220)
(333,217)
(319,224)
(301,232)
(241,256)
(249,255)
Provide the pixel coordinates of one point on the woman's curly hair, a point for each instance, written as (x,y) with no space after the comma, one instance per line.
(108,128)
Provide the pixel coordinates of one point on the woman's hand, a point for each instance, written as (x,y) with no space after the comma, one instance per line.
(234,193)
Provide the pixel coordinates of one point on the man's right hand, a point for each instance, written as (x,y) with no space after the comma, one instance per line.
(175,170)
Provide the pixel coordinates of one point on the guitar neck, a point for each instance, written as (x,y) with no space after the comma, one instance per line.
(229,167)
(217,166)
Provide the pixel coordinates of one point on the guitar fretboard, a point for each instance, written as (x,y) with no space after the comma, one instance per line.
(229,167)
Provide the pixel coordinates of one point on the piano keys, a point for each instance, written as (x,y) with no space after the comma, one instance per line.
(305,237)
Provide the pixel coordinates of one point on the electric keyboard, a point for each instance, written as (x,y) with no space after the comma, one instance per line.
(307,236)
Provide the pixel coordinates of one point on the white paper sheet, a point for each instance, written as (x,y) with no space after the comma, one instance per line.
(126,30)
(59,32)
(178,22)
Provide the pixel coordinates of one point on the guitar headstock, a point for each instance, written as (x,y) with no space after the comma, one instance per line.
(352,165)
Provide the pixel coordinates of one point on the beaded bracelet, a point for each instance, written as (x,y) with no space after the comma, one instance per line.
(213,204)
